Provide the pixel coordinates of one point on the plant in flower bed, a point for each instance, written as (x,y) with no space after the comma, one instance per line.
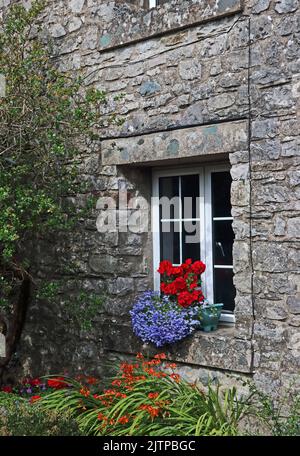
(33,389)
(148,397)
(22,412)
(21,415)
(171,316)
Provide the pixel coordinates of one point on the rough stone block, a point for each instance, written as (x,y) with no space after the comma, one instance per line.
(189,142)
(200,349)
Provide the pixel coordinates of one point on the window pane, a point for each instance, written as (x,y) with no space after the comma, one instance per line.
(190,240)
(189,195)
(220,187)
(169,242)
(224,291)
(223,237)
(168,194)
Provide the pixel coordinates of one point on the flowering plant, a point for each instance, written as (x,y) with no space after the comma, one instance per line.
(174,314)
(159,320)
(182,283)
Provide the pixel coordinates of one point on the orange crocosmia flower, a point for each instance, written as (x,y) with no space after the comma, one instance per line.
(110,392)
(92,380)
(123,420)
(175,377)
(85,392)
(171,366)
(151,371)
(116,382)
(129,388)
(121,395)
(153,395)
(101,417)
(160,356)
(140,356)
(153,411)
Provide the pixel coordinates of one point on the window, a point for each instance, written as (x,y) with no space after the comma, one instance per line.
(154,3)
(191,214)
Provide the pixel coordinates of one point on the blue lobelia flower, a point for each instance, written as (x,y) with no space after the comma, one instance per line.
(161,321)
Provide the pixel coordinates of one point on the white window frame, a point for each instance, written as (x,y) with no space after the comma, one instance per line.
(152,3)
(205,227)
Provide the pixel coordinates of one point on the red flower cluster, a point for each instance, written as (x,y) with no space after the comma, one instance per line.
(129,375)
(182,282)
(57,383)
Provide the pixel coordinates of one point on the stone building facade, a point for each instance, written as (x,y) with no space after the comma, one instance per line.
(206,83)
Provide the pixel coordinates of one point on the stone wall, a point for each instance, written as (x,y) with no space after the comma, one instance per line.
(203,81)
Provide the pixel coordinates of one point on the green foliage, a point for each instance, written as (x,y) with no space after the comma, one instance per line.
(279,417)
(18,417)
(148,403)
(47,121)
(81,308)
(44,115)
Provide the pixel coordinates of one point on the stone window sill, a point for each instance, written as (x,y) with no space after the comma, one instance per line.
(219,349)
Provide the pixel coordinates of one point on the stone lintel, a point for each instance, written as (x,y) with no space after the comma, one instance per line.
(219,349)
(203,141)
(130,23)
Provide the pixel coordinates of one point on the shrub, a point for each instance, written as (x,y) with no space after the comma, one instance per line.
(20,417)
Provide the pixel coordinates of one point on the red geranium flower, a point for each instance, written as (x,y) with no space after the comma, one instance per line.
(165,267)
(198,267)
(170,288)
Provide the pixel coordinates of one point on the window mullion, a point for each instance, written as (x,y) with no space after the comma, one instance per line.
(180,220)
(156,232)
(208,246)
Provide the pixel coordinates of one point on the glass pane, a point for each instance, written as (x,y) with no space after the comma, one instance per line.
(169,242)
(169,197)
(190,195)
(190,240)
(220,188)
(223,237)
(224,290)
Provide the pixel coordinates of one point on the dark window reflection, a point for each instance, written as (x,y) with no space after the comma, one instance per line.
(169,242)
(220,186)
(168,190)
(224,290)
(190,196)
(223,241)
(190,240)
